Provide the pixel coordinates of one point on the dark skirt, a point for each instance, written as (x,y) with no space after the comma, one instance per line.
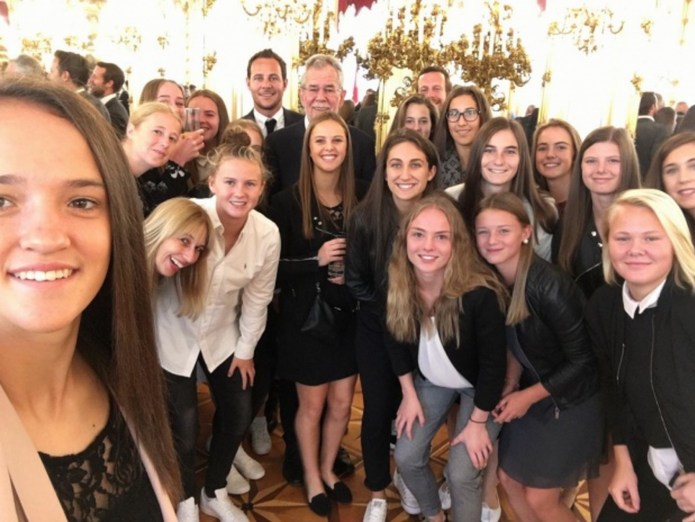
(542,451)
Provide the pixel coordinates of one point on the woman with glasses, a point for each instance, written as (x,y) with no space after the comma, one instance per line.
(311,216)
(466,110)
(416,113)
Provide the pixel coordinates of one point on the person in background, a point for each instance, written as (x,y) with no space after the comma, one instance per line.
(648,135)
(446,342)
(214,119)
(666,117)
(464,112)
(81,399)
(642,330)
(688,121)
(25,65)
(555,147)
(416,113)
(266,79)
(104,83)
(365,116)
(433,83)
(673,171)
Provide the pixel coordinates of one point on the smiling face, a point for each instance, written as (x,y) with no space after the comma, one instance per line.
(96,84)
(238,185)
(407,174)
(428,242)
(463,132)
(321,91)
(152,141)
(432,85)
(171,95)
(499,162)
(639,249)
(266,85)
(554,153)
(178,252)
(209,117)
(417,118)
(678,176)
(500,236)
(601,168)
(55,237)
(328,146)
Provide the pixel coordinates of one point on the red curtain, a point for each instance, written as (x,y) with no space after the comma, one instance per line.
(359,4)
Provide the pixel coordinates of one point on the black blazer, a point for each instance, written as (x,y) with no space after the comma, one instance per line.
(291,117)
(673,366)
(481,356)
(649,136)
(284,155)
(119,116)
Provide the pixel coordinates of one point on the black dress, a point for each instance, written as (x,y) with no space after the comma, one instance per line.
(302,357)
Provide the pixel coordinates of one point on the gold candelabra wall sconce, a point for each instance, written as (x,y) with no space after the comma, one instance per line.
(587,27)
(209,61)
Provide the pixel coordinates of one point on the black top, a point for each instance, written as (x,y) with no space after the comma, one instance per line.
(672,368)
(106,482)
(554,337)
(638,336)
(284,155)
(587,267)
(480,357)
(162,184)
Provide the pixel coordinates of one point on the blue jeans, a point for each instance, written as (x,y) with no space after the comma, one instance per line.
(412,455)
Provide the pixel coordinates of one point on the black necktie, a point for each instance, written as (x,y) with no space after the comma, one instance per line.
(270,125)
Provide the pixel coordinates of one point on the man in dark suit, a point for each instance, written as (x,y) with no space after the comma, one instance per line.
(266,78)
(72,71)
(321,90)
(649,135)
(105,82)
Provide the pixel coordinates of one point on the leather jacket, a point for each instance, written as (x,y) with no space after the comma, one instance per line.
(554,337)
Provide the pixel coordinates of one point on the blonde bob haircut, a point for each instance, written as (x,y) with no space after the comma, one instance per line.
(671,218)
(405,309)
(146,110)
(175,218)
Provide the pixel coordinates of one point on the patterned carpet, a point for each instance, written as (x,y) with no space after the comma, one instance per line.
(271,499)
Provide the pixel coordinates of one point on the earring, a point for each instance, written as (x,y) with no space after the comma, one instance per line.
(525,241)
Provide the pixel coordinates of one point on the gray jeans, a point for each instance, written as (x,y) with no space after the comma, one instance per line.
(412,455)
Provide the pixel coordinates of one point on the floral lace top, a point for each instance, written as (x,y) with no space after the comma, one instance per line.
(158,185)
(452,173)
(106,481)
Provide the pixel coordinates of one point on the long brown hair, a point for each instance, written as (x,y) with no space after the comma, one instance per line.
(575,141)
(442,136)
(116,333)
(305,185)
(151,90)
(415,99)
(522,185)
(464,272)
(579,206)
(378,212)
(173,218)
(511,203)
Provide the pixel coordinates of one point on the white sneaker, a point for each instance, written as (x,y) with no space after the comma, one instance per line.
(260,438)
(376,511)
(187,511)
(221,507)
(249,468)
(491,515)
(445,496)
(408,500)
(236,484)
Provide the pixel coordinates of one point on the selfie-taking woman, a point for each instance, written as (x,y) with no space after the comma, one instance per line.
(241,271)
(446,324)
(643,332)
(83,433)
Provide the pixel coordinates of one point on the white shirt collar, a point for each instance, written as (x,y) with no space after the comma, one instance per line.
(108,98)
(279,118)
(645,117)
(632,307)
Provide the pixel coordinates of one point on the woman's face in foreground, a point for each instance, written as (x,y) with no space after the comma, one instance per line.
(55,237)
(179,251)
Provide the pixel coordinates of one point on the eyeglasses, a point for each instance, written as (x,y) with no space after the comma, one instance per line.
(328,90)
(454,115)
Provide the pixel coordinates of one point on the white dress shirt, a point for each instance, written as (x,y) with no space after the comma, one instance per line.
(240,287)
(279,118)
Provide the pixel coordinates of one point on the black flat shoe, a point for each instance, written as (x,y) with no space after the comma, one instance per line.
(339,492)
(320,505)
(343,464)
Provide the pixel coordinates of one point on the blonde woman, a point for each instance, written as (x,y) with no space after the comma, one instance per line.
(643,332)
(446,327)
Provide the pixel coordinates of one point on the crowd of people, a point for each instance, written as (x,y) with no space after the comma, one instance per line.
(533,296)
